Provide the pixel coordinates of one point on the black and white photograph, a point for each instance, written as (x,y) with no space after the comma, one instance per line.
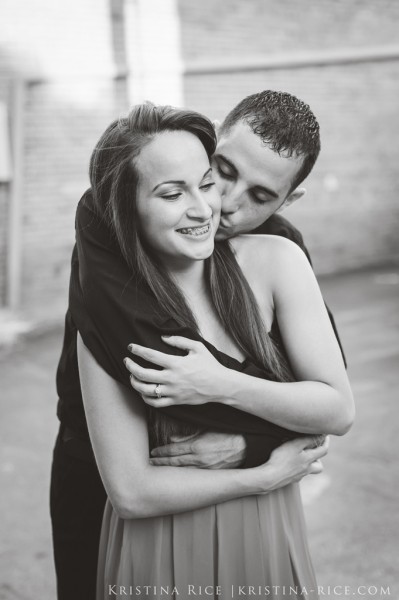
(199,290)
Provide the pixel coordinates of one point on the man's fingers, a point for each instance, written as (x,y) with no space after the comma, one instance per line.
(183,438)
(181,342)
(146,375)
(176,449)
(174,461)
(153,356)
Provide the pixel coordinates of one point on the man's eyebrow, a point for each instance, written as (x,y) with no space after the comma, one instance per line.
(179,181)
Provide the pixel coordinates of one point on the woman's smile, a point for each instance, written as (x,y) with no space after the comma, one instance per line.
(177,200)
(199,232)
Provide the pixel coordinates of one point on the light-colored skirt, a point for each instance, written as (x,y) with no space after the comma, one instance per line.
(254,546)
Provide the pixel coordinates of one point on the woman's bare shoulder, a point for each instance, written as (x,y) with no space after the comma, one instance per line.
(264,253)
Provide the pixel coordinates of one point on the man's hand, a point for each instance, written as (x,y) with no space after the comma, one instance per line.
(207,450)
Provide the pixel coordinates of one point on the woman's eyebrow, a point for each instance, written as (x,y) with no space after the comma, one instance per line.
(180,181)
(207,172)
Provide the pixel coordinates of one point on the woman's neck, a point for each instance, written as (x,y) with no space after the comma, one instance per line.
(190,278)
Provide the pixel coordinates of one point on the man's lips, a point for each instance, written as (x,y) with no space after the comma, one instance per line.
(224,224)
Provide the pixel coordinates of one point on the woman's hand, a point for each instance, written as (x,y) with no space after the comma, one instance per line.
(192,379)
(292,461)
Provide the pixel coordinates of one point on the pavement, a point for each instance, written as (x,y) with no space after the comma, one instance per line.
(352,508)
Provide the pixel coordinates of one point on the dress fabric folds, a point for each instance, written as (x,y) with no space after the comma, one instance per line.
(254,546)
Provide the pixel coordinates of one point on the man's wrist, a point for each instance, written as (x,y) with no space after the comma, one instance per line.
(258,449)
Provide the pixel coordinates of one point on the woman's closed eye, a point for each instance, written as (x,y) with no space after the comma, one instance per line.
(172,197)
(207,186)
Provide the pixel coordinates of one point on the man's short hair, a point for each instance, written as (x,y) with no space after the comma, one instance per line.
(284,123)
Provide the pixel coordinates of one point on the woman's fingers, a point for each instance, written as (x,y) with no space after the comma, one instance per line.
(316,453)
(146,375)
(152,356)
(181,342)
(149,390)
(157,403)
(315,467)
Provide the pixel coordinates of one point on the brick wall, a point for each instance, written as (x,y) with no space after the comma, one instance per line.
(59,138)
(4,195)
(235,28)
(67,54)
(350,215)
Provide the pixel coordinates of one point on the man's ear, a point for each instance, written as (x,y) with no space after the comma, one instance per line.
(291,198)
(216,125)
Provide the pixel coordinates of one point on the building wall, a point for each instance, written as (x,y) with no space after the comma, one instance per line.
(59,138)
(66,53)
(235,28)
(350,215)
(4,195)
(73,56)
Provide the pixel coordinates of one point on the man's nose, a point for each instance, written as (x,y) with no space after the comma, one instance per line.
(232,198)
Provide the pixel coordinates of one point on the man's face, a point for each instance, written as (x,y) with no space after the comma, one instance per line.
(253,180)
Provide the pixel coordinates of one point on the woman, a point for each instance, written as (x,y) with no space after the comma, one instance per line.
(179,527)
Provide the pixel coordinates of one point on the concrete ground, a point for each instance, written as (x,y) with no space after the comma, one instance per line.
(352,509)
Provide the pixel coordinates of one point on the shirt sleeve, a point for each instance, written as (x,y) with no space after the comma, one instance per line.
(109,308)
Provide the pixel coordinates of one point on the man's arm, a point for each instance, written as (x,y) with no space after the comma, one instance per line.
(111,310)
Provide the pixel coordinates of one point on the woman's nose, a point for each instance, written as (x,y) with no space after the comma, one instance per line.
(199,208)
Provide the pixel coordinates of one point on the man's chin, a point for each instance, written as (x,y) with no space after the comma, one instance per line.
(224,234)
(220,236)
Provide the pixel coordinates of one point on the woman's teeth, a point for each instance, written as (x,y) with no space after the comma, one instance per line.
(195,230)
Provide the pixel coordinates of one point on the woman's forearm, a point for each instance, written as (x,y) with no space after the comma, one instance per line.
(304,406)
(164,490)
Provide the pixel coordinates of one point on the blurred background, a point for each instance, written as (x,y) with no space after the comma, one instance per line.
(66,70)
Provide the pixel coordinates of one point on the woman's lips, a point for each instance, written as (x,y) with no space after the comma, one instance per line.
(197,231)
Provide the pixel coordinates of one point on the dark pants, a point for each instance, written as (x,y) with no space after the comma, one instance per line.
(77,500)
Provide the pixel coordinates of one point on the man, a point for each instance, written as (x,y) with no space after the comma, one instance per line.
(267,145)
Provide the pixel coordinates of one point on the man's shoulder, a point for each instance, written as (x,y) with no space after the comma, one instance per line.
(280,226)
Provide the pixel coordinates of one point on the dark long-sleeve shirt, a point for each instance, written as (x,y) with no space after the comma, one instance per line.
(111,309)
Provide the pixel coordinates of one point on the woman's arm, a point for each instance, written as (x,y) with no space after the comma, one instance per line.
(319,401)
(118,432)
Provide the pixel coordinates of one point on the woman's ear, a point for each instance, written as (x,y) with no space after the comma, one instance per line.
(291,198)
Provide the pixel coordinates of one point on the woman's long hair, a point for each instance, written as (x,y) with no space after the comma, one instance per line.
(114,179)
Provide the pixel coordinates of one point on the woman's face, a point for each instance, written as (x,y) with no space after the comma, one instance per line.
(178,204)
